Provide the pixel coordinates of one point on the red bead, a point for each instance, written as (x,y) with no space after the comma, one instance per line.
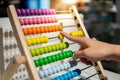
(21,21)
(34,20)
(26,21)
(46,19)
(30,21)
(42,20)
(38,20)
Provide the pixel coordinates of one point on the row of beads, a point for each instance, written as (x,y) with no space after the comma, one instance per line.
(77,33)
(53,58)
(27,12)
(39,40)
(69,75)
(55,69)
(42,29)
(40,20)
(48,49)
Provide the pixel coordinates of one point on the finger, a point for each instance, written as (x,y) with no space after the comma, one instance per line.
(78,54)
(72,38)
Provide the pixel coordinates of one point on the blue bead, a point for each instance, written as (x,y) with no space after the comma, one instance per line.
(78,71)
(41,74)
(68,64)
(72,74)
(81,79)
(53,69)
(68,74)
(58,68)
(61,78)
(65,76)
(50,71)
(61,67)
(45,73)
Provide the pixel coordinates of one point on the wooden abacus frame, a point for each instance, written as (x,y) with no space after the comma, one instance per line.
(33,74)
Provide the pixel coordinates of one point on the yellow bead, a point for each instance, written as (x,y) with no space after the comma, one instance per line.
(29,42)
(33,41)
(45,39)
(60,37)
(37,40)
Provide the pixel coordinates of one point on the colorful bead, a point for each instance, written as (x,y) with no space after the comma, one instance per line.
(53,58)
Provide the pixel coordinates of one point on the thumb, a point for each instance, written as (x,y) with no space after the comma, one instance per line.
(81,40)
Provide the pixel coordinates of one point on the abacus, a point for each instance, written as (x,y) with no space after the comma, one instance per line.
(31,29)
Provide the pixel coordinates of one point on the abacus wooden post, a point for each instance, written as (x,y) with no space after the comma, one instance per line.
(16,61)
(81,26)
(22,43)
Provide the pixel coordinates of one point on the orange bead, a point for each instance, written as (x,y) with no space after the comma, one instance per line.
(53,28)
(46,29)
(34,30)
(60,28)
(25,31)
(38,29)
(50,28)
(30,31)
(42,29)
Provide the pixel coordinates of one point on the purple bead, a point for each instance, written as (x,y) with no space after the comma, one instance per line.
(18,12)
(23,12)
(50,11)
(53,11)
(27,12)
(47,12)
(43,12)
(32,12)
(36,11)
(39,12)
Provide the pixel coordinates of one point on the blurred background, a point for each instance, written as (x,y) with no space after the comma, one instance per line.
(101,18)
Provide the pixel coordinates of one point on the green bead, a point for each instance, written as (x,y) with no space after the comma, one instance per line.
(37,51)
(61,56)
(57,57)
(33,52)
(67,44)
(46,49)
(54,58)
(70,53)
(64,55)
(45,61)
(41,50)
(49,59)
(36,63)
(41,62)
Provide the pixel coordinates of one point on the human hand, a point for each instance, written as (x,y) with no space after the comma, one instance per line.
(91,49)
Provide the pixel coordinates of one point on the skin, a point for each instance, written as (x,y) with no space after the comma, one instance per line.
(94,50)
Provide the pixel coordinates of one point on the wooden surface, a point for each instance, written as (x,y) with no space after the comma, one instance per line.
(22,43)
(12,67)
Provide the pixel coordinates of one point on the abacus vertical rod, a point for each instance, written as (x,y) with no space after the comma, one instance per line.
(22,43)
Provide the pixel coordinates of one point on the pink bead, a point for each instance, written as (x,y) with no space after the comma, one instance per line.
(26,21)
(30,21)
(42,20)
(38,20)
(56,20)
(46,19)
(49,19)
(53,20)
(21,21)
(34,20)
